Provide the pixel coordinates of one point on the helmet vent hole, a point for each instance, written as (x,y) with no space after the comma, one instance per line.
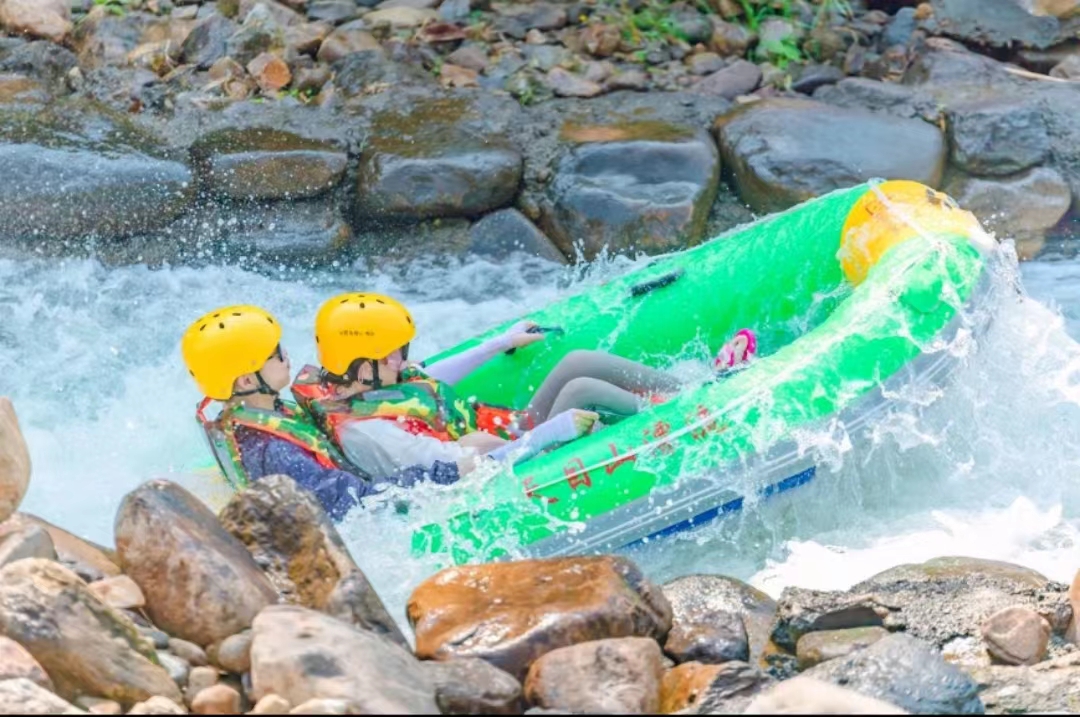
(236,313)
(362,305)
(344,301)
(221,324)
(202,327)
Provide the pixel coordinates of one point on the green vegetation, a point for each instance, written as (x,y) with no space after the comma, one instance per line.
(116,7)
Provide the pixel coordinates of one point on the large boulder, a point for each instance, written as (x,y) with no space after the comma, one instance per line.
(511,614)
(1020,206)
(644,185)
(782,152)
(14,461)
(263,163)
(84,646)
(507,231)
(620,676)
(300,655)
(201,584)
(290,536)
(906,672)
(997,137)
(1001,23)
(696,599)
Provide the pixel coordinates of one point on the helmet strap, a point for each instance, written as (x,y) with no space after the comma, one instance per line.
(263,388)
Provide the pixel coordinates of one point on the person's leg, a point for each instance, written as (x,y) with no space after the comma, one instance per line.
(621,373)
(592,394)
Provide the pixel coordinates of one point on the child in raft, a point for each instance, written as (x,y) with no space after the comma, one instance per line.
(383,412)
(234,354)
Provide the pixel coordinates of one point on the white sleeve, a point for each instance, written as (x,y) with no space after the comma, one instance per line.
(381,447)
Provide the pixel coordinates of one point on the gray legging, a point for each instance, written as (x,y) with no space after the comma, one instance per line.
(597,380)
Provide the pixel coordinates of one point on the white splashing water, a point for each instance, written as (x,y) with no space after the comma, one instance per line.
(990,469)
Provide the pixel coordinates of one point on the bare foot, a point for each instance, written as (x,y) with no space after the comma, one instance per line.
(14,461)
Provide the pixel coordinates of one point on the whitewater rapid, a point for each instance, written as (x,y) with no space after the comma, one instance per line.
(991,469)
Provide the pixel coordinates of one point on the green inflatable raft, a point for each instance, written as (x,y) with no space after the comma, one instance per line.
(851,295)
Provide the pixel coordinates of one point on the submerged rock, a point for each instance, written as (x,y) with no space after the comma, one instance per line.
(84,646)
(511,614)
(290,536)
(906,672)
(200,583)
(299,655)
(620,675)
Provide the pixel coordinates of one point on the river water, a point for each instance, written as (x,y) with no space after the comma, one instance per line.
(991,469)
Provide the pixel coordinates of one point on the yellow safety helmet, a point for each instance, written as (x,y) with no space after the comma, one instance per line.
(226,344)
(360,326)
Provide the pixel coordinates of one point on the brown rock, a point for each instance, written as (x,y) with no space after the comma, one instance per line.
(89,561)
(119,592)
(199,679)
(566,84)
(696,599)
(454,76)
(471,686)
(721,638)
(28,542)
(300,654)
(234,653)
(287,531)
(401,18)
(510,614)
(157,706)
(345,40)
(1072,633)
(14,455)
(85,646)
(817,647)
(472,57)
(20,696)
(1016,636)
(16,662)
(805,695)
(201,584)
(635,80)
(47,19)
(620,675)
(306,39)
(705,63)
(311,79)
(601,40)
(270,72)
(216,700)
(187,651)
(98,706)
(730,39)
(271,705)
(684,685)
(738,78)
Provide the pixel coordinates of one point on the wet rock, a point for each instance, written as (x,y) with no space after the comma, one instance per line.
(472,686)
(206,43)
(104,38)
(187,651)
(260,33)
(300,655)
(431,169)
(264,163)
(516,20)
(620,675)
(1037,200)
(998,24)
(177,668)
(217,700)
(721,638)
(85,646)
(528,608)
(816,647)
(567,84)
(17,663)
(730,39)
(906,672)
(14,457)
(1016,636)
(783,152)
(1049,687)
(683,685)
(887,97)
(345,40)
(800,612)
(201,584)
(233,654)
(119,592)
(290,536)
(41,60)
(19,88)
(20,696)
(804,695)
(46,19)
(998,137)
(332,11)
(731,688)
(29,542)
(738,78)
(667,178)
(89,561)
(157,706)
(271,705)
(506,231)
(814,76)
(401,18)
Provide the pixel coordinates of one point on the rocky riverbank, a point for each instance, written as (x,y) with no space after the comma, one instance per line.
(262,610)
(319,131)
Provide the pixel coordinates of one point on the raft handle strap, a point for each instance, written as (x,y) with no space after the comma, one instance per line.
(658,283)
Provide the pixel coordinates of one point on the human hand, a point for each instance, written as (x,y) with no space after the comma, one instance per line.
(523,333)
